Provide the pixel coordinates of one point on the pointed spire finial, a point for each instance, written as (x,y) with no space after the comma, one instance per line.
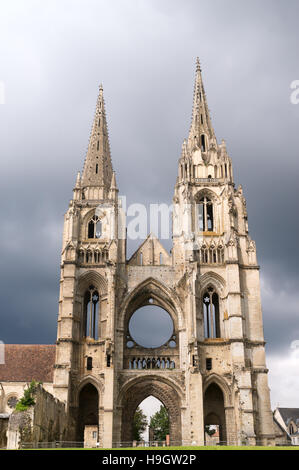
(201,131)
(198,67)
(97,169)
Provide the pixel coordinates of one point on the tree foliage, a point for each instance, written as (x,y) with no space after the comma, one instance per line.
(160,424)
(139,424)
(210,430)
(28,398)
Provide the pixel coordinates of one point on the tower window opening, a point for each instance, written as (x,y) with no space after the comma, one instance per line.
(97,168)
(89,363)
(108,360)
(95,227)
(201,119)
(91,313)
(209,363)
(161,258)
(203,143)
(211,314)
(99,122)
(98,145)
(98,229)
(205,215)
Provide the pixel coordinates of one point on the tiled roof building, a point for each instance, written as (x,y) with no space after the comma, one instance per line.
(26,362)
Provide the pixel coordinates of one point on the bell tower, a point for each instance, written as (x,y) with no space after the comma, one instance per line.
(92,251)
(212,242)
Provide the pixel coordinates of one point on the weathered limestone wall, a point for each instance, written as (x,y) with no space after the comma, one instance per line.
(16,390)
(46,421)
(3,431)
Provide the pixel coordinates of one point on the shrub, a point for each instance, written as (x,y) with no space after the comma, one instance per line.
(28,399)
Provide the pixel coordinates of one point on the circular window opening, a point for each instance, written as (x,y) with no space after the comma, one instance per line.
(12,402)
(151,326)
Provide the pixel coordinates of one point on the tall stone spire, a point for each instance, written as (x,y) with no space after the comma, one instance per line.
(201,122)
(97,171)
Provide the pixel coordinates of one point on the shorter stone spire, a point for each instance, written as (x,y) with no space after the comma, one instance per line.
(113,188)
(78,180)
(113,181)
(97,171)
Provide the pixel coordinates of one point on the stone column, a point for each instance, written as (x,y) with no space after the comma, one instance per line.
(195,431)
(231,436)
(266,425)
(108,401)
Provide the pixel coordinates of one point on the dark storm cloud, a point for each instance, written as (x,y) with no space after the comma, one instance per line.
(53,57)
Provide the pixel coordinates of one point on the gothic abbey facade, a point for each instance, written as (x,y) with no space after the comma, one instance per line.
(212,369)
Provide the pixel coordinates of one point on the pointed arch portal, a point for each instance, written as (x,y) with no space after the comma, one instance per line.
(88,409)
(214,410)
(139,391)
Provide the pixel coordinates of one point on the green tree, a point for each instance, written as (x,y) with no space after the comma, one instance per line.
(160,424)
(139,424)
(28,398)
(209,430)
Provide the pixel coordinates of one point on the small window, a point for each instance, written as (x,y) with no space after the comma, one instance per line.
(12,402)
(98,145)
(94,435)
(108,360)
(89,363)
(97,168)
(203,143)
(208,363)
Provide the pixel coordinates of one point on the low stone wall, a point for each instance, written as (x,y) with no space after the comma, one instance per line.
(46,421)
(3,431)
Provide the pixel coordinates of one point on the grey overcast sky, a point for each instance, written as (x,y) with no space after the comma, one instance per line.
(53,56)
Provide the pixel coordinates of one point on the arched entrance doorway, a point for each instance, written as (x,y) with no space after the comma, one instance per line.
(159,389)
(151,423)
(214,411)
(88,409)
